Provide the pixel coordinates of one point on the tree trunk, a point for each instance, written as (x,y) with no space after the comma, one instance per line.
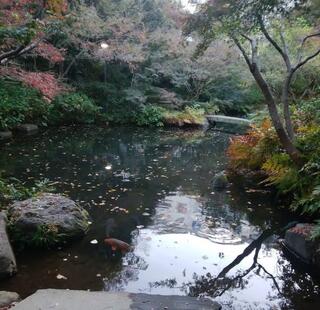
(286,107)
(283,136)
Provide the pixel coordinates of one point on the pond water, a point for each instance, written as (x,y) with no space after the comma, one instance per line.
(152,189)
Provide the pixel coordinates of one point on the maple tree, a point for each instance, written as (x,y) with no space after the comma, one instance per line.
(45,82)
(24,28)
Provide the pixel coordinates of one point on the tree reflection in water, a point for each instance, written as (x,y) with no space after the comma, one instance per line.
(293,284)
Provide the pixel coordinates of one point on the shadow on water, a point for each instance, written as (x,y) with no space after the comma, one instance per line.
(151,188)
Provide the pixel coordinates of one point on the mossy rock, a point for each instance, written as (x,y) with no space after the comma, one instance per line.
(46,219)
(220,181)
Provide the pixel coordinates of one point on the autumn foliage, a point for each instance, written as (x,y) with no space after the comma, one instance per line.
(23,32)
(45,82)
(252,150)
(49,52)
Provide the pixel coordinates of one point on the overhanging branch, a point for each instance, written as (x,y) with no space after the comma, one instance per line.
(283,53)
(18,52)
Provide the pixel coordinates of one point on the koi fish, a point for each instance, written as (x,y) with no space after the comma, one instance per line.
(118,245)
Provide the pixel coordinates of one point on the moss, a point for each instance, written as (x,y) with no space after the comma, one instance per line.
(188,117)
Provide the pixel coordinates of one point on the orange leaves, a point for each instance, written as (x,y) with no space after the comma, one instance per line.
(49,52)
(251,150)
(46,83)
(57,7)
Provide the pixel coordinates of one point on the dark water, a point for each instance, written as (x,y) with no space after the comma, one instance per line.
(151,188)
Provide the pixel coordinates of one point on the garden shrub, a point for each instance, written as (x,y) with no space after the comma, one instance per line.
(190,115)
(72,108)
(251,151)
(20,104)
(260,149)
(150,115)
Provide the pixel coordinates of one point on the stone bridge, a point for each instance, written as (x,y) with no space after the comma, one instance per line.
(214,119)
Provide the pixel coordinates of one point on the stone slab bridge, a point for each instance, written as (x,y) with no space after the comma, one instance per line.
(51,299)
(215,119)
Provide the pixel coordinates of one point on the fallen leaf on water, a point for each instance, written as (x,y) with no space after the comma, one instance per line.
(61,277)
(95,241)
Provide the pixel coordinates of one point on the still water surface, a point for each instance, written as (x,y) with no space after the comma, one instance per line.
(151,188)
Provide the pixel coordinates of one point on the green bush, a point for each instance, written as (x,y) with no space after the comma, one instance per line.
(20,104)
(12,189)
(72,108)
(150,116)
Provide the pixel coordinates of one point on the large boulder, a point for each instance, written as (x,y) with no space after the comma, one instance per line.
(8,265)
(299,242)
(56,215)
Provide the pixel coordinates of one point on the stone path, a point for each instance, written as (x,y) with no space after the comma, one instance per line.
(51,299)
(83,300)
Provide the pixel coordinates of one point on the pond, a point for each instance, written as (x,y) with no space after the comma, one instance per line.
(152,188)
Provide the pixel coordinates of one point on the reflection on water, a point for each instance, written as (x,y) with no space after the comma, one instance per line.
(152,188)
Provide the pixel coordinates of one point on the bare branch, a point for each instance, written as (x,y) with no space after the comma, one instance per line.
(283,53)
(303,62)
(244,53)
(11,53)
(72,62)
(305,39)
(18,51)
(246,37)
(254,49)
(271,277)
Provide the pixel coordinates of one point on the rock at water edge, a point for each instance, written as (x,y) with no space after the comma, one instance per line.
(8,266)
(53,212)
(7,298)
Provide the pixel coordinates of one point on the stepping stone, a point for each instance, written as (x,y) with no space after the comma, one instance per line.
(83,300)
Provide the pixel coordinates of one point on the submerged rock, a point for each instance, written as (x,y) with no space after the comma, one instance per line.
(8,266)
(27,129)
(54,214)
(5,135)
(298,241)
(7,298)
(220,181)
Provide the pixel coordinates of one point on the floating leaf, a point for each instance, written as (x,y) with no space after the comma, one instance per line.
(61,277)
